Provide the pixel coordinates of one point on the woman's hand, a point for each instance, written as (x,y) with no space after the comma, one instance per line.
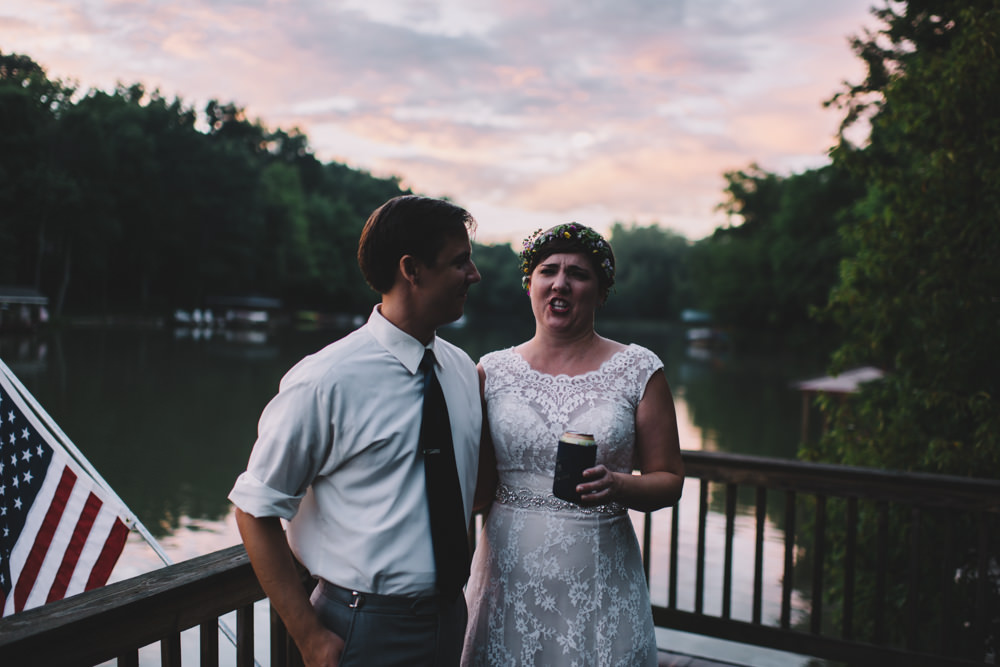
(601,486)
(661,469)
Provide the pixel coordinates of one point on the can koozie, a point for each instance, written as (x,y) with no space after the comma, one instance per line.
(576,453)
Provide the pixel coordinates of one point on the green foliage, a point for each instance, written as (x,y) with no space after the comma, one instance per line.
(499,297)
(919,296)
(780,262)
(115,202)
(651,277)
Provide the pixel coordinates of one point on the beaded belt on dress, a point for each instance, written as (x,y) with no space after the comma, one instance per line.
(529,499)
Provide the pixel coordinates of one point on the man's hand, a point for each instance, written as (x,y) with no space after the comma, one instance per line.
(323,650)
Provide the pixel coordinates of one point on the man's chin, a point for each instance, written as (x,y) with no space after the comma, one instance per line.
(451,318)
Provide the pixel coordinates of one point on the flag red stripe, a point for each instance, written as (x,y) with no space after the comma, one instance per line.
(74,548)
(109,555)
(26,580)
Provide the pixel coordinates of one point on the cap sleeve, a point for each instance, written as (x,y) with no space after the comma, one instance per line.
(644,362)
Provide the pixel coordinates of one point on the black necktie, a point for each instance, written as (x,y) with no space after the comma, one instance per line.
(449,531)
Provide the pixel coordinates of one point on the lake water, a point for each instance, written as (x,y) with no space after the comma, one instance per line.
(168,418)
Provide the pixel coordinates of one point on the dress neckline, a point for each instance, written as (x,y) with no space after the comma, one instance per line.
(597,371)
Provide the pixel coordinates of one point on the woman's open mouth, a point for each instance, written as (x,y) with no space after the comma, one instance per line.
(559,305)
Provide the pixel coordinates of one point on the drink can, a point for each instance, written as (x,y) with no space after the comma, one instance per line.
(576,452)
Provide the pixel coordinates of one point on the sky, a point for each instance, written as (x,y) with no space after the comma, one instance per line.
(528,113)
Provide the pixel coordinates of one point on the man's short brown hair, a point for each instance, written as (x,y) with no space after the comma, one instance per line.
(407,225)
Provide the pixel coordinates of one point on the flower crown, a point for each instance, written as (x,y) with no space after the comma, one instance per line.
(571,231)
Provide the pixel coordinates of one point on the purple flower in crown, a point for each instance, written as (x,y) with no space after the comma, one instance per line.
(584,236)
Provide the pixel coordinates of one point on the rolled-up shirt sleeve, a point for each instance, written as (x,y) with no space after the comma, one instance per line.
(294,442)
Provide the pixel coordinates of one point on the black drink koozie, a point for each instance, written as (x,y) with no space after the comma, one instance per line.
(572,458)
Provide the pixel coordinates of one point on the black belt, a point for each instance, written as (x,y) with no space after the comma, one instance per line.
(400,604)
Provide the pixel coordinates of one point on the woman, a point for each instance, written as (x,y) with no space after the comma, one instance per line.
(555,582)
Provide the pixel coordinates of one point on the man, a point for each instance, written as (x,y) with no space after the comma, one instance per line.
(340,456)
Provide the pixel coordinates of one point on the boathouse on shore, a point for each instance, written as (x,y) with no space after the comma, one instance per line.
(22,308)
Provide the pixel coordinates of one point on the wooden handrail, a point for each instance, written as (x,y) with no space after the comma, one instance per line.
(966,493)
(117,619)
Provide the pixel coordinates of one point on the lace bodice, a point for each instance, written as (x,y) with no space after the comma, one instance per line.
(529,410)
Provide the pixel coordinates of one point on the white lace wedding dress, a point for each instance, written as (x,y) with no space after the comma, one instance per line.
(554,583)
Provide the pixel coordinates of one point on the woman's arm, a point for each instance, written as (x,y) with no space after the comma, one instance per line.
(658,446)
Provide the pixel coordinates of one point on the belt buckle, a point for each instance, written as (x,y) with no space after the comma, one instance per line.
(356,600)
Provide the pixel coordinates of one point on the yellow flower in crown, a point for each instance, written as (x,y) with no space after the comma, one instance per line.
(584,235)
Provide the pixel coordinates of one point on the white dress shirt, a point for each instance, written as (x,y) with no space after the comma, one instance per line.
(336,456)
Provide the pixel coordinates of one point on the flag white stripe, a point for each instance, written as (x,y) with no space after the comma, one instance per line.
(59,544)
(88,557)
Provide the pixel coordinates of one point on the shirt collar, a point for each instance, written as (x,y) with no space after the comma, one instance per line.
(407,349)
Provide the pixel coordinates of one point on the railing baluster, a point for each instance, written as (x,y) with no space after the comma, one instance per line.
(913,593)
(244,636)
(279,637)
(674,555)
(758,562)
(699,592)
(982,581)
(788,576)
(881,565)
(284,652)
(208,643)
(947,645)
(850,558)
(647,544)
(170,650)
(727,575)
(819,556)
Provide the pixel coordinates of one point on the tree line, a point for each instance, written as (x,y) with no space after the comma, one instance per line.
(126,202)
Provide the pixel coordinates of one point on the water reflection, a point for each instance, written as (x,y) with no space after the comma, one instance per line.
(169,416)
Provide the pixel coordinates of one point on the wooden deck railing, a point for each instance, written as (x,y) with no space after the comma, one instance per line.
(824,519)
(921,551)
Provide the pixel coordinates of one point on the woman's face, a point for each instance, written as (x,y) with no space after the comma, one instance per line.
(565,292)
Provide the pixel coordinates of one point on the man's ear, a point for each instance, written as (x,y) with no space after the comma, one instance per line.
(409,267)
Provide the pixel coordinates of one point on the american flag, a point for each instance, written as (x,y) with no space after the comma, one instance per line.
(60,532)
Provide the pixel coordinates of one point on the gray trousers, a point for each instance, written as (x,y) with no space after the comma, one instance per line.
(390,630)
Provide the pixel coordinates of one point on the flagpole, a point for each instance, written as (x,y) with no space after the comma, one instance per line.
(131,520)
